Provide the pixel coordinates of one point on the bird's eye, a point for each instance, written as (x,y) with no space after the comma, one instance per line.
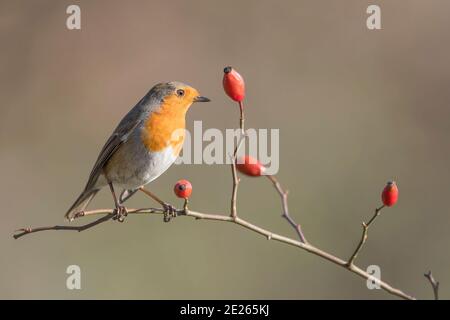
(180,92)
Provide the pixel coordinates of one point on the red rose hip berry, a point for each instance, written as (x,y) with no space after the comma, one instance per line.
(233,84)
(250,166)
(183,189)
(389,196)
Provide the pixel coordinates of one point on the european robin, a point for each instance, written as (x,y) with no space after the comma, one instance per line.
(142,147)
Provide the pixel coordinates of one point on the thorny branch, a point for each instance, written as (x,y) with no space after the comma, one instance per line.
(240,222)
(234,219)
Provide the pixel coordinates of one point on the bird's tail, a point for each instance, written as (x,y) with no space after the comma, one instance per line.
(81,203)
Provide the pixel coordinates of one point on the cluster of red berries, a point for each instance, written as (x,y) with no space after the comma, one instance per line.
(234,86)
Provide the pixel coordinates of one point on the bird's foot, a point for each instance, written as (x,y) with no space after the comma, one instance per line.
(169,212)
(120,213)
(77,215)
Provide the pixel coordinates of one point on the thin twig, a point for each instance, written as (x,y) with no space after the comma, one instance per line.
(266,233)
(434,284)
(236,179)
(364,236)
(284,194)
(109,214)
(25,231)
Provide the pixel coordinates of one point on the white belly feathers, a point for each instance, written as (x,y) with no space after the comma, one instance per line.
(133,165)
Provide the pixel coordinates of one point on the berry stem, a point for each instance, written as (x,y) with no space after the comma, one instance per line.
(242,118)
(236,179)
(364,236)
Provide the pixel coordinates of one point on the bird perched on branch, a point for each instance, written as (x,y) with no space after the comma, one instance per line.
(142,147)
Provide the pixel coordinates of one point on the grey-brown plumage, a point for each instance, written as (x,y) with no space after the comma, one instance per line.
(129,164)
(128,124)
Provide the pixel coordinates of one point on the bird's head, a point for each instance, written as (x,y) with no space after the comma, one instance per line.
(177,97)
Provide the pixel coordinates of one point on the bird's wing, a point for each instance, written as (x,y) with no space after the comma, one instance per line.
(121,134)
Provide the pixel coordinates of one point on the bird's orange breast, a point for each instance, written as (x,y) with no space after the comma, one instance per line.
(165,127)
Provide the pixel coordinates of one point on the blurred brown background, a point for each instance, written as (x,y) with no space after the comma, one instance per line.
(355,108)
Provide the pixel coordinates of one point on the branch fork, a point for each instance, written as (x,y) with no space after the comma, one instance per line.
(434,284)
(363,237)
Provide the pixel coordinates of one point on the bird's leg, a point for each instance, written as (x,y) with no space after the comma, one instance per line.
(153,196)
(121,211)
(169,210)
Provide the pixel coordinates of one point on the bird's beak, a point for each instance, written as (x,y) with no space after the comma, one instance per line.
(201,99)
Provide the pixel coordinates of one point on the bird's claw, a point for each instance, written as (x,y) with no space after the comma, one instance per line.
(169,212)
(120,213)
(77,215)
